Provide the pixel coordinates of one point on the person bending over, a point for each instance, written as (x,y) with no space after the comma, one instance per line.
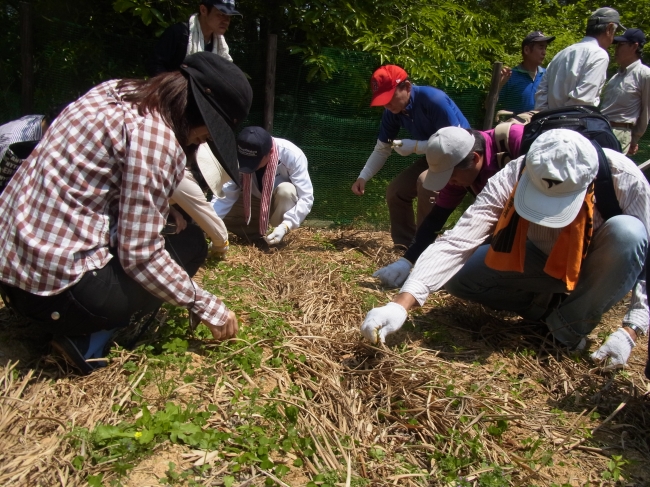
(274,189)
(83,218)
(552,257)
(422,110)
(459,160)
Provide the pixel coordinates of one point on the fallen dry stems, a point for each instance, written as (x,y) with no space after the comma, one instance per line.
(465,378)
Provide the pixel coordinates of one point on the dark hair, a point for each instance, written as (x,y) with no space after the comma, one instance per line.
(596,30)
(524,45)
(169,95)
(639,50)
(478,147)
(402,83)
(208,5)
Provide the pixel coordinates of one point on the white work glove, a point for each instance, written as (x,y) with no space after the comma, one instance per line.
(218,251)
(407,146)
(394,274)
(276,236)
(617,348)
(382,321)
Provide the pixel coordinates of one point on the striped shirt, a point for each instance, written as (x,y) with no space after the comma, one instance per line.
(443,259)
(25,129)
(101,177)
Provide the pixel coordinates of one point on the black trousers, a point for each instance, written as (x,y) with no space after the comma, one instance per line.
(105,298)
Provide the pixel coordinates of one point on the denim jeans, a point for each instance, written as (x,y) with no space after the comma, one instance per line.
(614,261)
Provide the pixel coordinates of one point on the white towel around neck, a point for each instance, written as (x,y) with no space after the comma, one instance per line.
(196,44)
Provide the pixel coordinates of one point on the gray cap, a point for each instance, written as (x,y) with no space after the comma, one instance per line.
(605,15)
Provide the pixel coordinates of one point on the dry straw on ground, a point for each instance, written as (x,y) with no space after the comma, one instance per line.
(461,378)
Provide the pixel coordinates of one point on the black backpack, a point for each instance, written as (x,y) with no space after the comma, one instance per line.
(584,119)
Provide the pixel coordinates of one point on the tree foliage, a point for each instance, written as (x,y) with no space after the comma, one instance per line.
(428,38)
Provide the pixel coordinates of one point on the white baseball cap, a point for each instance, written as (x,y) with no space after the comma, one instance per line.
(560,166)
(445,149)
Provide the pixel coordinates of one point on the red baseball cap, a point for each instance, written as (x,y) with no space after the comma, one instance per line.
(384,82)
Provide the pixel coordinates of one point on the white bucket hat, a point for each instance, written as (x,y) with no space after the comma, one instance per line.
(211,170)
(445,149)
(560,166)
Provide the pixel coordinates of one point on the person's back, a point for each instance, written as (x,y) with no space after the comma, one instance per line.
(576,74)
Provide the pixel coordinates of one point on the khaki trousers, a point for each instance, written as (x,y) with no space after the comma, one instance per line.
(284,198)
(400,194)
(624,136)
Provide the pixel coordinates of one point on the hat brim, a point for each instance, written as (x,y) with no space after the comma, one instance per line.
(540,39)
(227,9)
(624,39)
(22,150)
(545,210)
(223,144)
(435,181)
(382,99)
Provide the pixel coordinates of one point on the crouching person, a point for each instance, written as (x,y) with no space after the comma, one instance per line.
(460,160)
(552,257)
(274,172)
(82,221)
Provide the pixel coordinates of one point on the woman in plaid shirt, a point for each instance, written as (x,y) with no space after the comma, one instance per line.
(83,218)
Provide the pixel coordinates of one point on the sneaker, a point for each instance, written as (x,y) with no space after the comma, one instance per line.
(73,350)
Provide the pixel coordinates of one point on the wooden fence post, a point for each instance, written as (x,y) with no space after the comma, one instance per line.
(269,86)
(27,57)
(493,96)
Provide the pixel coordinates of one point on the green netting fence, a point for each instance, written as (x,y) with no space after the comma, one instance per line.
(329,120)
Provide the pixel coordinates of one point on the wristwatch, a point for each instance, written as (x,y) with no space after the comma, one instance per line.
(637,329)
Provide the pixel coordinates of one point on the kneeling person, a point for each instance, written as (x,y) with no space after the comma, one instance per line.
(83,256)
(460,160)
(548,239)
(274,172)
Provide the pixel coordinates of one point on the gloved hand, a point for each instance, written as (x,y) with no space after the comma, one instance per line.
(394,274)
(276,236)
(407,146)
(218,251)
(380,322)
(617,348)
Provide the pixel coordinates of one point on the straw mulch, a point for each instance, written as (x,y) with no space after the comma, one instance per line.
(458,381)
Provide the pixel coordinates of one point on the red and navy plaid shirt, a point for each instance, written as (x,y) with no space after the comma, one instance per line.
(102,176)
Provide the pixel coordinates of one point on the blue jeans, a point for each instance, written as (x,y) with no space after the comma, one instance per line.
(614,261)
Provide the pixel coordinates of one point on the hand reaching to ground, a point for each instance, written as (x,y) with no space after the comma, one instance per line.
(228,330)
(383,321)
(394,274)
(617,349)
